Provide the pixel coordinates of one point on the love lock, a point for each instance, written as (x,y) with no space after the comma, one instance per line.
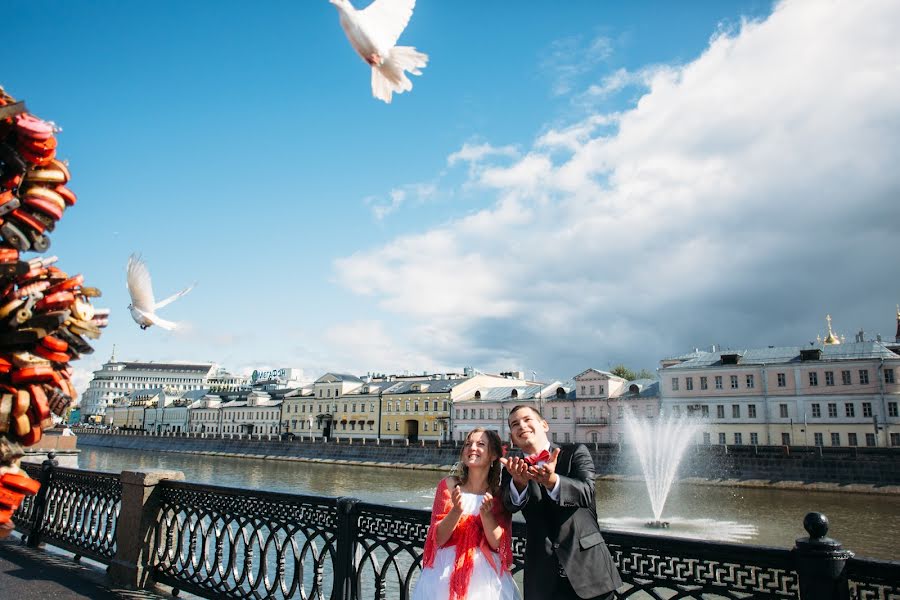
(82,310)
(14,237)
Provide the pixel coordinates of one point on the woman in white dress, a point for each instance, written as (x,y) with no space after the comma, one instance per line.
(468,551)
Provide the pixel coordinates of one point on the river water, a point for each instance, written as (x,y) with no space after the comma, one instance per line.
(868,524)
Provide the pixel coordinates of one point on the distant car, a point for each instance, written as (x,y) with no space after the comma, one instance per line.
(288,437)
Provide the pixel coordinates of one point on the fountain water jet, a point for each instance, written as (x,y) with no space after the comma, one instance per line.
(660,444)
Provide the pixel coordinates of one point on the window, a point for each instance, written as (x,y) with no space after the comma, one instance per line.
(835,439)
(407,406)
(704,411)
(863,377)
(457,413)
(718,382)
(782,380)
(816,411)
(425,426)
(832,410)
(674,384)
(582,391)
(554,436)
(889,376)
(415,406)
(849,409)
(704,383)
(870,440)
(786,439)
(689,383)
(466,413)
(818,439)
(829,377)
(734,382)
(481,413)
(813,378)
(706,438)
(735,411)
(867,409)
(553,412)
(783,411)
(490,413)
(892,409)
(722,439)
(749,381)
(738,439)
(568,412)
(851,439)
(594,437)
(895,439)
(592,390)
(845,377)
(566,437)
(751,411)
(754,439)
(720,411)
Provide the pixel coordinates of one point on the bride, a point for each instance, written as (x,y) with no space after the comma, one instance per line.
(468,550)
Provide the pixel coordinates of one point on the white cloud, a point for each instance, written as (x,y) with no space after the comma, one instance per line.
(745,190)
(475,153)
(569,59)
(418,192)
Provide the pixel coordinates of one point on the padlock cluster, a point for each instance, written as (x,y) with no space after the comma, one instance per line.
(46,315)
(14,486)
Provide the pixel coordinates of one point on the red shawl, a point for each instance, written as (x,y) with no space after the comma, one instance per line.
(468,537)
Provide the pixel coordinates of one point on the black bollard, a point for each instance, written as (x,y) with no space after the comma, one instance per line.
(821,562)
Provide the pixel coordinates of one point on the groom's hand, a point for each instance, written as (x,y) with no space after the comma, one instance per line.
(545,474)
(518,470)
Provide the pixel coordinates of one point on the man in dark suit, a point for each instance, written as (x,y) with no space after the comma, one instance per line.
(566,557)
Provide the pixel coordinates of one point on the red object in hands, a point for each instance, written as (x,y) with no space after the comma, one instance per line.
(542,456)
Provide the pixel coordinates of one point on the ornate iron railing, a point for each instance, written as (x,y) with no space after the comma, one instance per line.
(230,543)
(221,542)
(24,515)
(873,579)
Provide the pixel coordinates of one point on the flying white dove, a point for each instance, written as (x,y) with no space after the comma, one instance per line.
(373,32)
(143,307)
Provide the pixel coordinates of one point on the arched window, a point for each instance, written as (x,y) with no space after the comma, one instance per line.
(560,393)
(478,395)
(633,388)
(514,394)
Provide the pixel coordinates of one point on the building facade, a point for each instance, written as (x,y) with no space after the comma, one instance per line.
(116,379)
(825,394)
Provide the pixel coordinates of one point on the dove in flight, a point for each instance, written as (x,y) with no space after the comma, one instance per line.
(373,33)
(143,307)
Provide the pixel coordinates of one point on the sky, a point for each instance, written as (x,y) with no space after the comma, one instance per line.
(568,185)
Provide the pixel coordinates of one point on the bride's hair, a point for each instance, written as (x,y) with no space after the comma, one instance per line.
(495,449)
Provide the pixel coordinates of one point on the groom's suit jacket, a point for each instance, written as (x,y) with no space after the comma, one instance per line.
(564,531)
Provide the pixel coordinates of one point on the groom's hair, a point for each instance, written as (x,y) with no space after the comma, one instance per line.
(519,407)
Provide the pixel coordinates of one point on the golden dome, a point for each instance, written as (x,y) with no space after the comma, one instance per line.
(831,339)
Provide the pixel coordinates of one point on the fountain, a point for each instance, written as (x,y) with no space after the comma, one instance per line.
(660,445)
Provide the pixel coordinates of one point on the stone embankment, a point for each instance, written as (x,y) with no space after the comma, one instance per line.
(868,470)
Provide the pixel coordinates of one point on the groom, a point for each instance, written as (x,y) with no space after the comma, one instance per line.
(566,557)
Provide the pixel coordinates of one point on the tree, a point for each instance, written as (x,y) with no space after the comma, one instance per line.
(629,375)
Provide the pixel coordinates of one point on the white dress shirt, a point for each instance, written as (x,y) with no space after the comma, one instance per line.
(518,498)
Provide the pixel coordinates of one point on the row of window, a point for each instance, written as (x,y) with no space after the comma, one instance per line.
(585,393)
(586,412)
(818,439)
(784,412)
(750,380)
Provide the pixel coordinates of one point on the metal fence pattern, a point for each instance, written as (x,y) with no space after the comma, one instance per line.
(219,542)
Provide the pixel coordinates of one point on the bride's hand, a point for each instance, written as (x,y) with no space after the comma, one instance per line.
(456,498)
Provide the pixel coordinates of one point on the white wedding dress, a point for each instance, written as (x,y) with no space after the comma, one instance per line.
(486,584)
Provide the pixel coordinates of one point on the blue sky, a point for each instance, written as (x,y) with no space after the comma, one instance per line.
(568,185)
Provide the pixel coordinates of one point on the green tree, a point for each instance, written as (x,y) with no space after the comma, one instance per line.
(626,373)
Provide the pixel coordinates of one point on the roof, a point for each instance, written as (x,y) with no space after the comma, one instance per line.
(435,386)
(339,377)
(152,366)
(194,394)
(790,354)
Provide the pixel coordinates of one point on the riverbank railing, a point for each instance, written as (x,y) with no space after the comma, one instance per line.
(217,542)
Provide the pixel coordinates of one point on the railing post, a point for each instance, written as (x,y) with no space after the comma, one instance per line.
(821,562)
(138,519)
(346,541)
(40,500)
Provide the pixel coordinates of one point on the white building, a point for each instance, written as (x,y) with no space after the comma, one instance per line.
(116,379)
(257,414)
(205,415)
(223,381)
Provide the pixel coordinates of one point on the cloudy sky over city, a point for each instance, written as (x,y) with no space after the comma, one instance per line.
(568,185)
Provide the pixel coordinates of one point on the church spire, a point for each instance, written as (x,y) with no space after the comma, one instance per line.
(831,338)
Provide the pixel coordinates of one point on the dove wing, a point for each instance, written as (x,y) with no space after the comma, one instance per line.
(139,286)
(385,20)
(173,298)
(169,325)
